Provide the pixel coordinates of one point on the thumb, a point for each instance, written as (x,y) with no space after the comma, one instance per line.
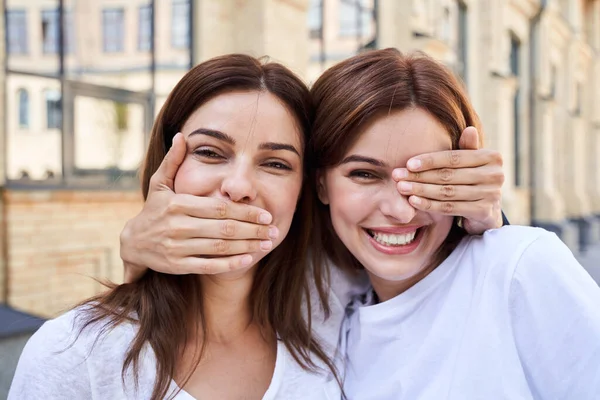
(164,176)
(469,140)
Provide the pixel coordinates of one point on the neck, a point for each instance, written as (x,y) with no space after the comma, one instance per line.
(226,304)
(388,289)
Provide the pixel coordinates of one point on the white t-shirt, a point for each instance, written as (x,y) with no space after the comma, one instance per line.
(508,315)
(50,368)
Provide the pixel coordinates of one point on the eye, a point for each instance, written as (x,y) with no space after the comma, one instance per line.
(363,175)
(277,165)
(207,153)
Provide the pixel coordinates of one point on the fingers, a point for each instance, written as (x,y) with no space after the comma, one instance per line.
(219,247)
(164,176)
(212,208)
(454,159)
(469,139)
(449,176)
(188,228)
(472,210)
(211,266)
(449,192)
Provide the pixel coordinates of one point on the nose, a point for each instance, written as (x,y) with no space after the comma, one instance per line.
(396,206)
(239,185)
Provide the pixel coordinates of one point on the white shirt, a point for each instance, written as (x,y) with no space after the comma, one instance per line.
(56,365)
(508,315)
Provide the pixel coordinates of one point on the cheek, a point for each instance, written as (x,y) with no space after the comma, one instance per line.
(280,196)
(442,225)
(194,179)
(347,205)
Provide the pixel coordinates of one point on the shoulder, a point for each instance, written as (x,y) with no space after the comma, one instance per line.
(508,241)
(64,355)
(498,252)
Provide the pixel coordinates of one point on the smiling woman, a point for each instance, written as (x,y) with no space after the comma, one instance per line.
(505,315)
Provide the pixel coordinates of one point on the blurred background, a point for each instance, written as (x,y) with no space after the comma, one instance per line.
(81,81)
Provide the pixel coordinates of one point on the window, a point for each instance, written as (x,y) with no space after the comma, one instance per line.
(315,18)
(16,29)
(23,101)
(113,30)
(53,109)
(50,33)
(515,61)
(145,28)
(355,18)
(180,24)
(463,34)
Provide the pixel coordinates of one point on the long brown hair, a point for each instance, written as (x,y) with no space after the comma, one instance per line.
(166,306)
(348,95)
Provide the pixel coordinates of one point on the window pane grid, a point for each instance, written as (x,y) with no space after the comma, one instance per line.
(113,30)
(145,28)
(180,28)
(16,21)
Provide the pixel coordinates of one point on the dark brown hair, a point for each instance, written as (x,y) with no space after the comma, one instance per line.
(348,95)
(168,307)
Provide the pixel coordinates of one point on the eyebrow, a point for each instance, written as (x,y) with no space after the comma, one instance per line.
(362,159)
(215,134)
(229,140)
(278,146)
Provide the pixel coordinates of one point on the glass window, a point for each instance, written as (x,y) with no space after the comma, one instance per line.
(355,18)
(50,33)
(145,28)
(16,28)
(180,24)
(23,99)
(315,18)
(53,109)
(113,29)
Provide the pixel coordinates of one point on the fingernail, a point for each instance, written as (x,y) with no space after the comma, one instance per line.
(175,137)
(266,245)
(415,200)
(405,186)
(273,232)
(415,163)
(400,173)
(264,218)
(246,260)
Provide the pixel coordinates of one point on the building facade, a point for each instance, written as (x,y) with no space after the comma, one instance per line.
(83,80)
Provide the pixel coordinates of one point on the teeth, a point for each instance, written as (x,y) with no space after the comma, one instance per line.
(394,240)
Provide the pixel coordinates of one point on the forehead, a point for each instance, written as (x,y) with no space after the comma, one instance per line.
(401,134)
(247,116)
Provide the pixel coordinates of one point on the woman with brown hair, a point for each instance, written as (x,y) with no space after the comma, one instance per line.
(506,315)
(241,334)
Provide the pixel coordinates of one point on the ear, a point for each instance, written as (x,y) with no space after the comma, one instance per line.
(322,188)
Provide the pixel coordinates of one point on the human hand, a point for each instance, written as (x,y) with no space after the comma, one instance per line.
(185,234)
(465,183)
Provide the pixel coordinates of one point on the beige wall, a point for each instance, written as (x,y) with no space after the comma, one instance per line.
(59,241)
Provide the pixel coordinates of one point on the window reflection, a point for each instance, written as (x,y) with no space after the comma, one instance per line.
(113,29)
(109,60)
(180,24)
(23,99)
(16,26)
(53,109)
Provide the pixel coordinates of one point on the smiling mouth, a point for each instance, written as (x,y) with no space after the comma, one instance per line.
(394,239)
